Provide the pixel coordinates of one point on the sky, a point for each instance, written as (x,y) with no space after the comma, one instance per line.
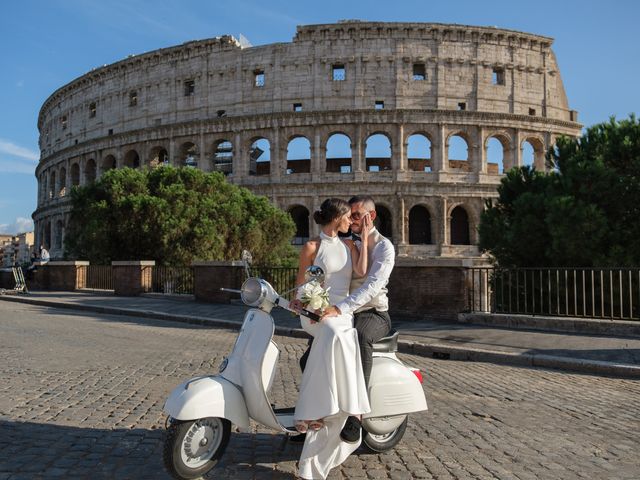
(45,44)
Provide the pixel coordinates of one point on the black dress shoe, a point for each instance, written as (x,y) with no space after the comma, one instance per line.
(351,431)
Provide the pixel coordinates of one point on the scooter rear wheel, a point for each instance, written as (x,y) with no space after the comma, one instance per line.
(193,447)
(382,443)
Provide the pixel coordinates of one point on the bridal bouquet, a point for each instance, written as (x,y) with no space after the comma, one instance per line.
(314,296)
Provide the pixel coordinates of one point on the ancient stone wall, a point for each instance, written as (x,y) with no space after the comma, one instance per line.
(216,105)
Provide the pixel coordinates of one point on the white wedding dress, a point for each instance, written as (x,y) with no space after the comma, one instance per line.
(332,385)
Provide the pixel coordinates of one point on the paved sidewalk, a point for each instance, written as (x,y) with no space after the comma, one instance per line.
(604,355)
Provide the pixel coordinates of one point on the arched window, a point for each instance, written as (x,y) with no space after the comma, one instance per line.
(47,235)
(300,216)
(189,155)
(533,153)
(419,226)
(260,157)
(419,153)
(52,186)
(495,156)
(299,155)
(44,193)
(59,234)
(223,157)
(132,159)
(62,182)
(158,157)
(75,174)
(90,171)
(383,221)
(378,153)
(458,153)
(459,227)
(339,153)
(109,163)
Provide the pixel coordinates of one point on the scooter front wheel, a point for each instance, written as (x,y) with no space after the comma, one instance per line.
(193,447)
(382,443)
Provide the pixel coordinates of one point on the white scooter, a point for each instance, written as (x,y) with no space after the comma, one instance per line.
(201,410)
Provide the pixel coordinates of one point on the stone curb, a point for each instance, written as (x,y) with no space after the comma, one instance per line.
(433,350)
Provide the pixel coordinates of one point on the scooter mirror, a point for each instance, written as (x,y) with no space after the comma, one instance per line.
(314,272)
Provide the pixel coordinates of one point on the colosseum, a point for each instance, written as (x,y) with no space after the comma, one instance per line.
(406,112)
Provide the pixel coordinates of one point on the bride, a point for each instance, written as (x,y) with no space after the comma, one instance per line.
(332,386)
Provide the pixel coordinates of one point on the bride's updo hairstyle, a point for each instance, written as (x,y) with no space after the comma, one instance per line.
(331,209)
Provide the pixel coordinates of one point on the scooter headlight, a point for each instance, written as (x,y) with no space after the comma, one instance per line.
(255,291)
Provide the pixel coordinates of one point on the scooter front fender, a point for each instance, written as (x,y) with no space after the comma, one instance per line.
(210,396)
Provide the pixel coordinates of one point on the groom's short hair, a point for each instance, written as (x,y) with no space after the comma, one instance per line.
(366,200)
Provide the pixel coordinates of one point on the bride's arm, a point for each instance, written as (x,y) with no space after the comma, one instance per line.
(307,256)
(358,258)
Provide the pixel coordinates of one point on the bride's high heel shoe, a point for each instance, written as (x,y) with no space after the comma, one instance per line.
(302,426)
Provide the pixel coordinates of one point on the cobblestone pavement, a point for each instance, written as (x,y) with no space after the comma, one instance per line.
(81,397)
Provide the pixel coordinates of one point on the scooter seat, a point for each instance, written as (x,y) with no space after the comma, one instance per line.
(388,344)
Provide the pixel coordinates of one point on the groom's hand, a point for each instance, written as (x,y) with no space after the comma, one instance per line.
(331,311)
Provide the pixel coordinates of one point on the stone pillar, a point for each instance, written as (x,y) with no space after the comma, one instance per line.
(443,230)
(66,275)
(240,157)
(403,221)
(479,152)
(357,153)
(318,156)
(203,161)
(172,151)
(131,278)
(400,150)
(209,277)
(278,160)
(439,151)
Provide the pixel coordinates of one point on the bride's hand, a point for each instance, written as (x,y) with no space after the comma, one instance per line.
(296,306)
(367,225)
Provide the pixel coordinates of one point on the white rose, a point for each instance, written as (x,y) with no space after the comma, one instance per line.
(315,303)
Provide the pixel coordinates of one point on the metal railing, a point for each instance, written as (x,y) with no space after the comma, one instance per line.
(281,278)
(99,277)
(611,293)
(171,280)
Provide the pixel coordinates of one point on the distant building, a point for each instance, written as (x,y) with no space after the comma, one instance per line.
(16,250)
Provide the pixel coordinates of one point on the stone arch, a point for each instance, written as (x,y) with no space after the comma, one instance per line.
(46,240)
(158,156)
(62,182)
(52,185)
(532,149)
(75,174)
(298,155)
(222,160)
(59,234)
(457,145)
(259,156)
(460,226)
(90,170)
(132,159)
(300,216)
(188,155)
(384,220)
(420,226)
(419,152)
(338,145)
(378,152)
(109,163)
(44,187)
(497,147)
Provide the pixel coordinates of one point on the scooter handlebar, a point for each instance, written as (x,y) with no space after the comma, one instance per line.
(284,303)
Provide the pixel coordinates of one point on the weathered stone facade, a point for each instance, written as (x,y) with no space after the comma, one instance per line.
(206,104)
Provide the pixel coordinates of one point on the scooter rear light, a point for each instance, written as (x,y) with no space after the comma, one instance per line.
(418,374)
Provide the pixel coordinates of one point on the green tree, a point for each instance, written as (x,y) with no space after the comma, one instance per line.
(174,216)
(582,213)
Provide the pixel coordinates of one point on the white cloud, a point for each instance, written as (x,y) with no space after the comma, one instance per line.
(17,151)
(17,159)
(21,225)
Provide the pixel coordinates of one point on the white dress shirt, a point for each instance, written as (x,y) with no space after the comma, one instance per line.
(370,291)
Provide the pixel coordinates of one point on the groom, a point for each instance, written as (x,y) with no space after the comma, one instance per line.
(368,301)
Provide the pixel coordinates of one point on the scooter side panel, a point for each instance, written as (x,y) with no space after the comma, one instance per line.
(394,389)
(211,396)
